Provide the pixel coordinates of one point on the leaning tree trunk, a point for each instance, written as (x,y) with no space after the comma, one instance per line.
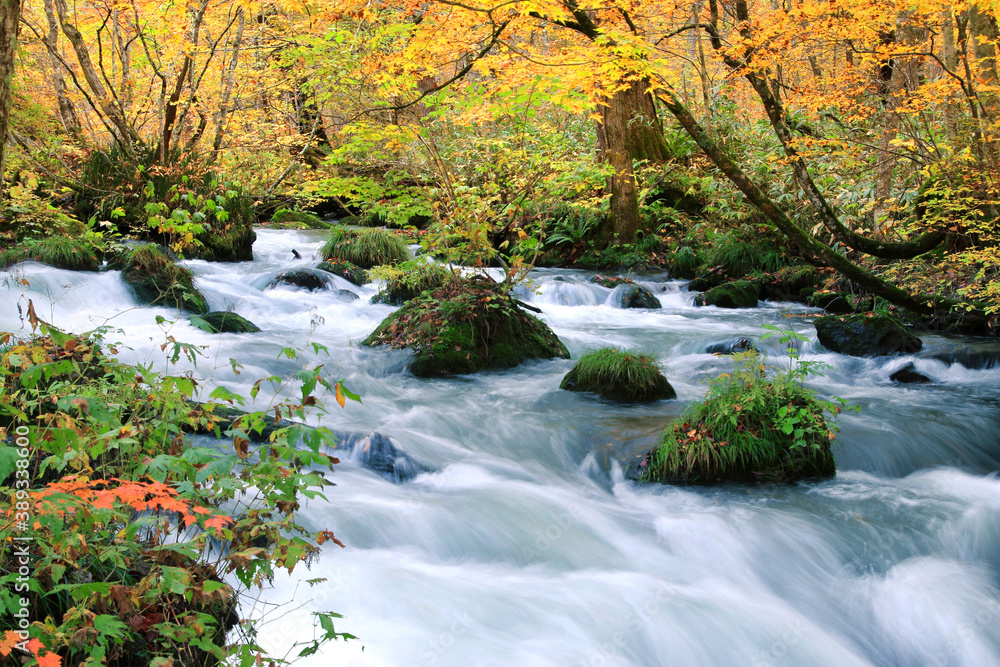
(10,15)
(629,131)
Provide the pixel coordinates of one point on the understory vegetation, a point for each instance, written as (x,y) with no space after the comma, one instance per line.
(136,535)
(619,375)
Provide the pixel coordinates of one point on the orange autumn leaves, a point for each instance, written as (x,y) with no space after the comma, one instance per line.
(114,493)
(12,640)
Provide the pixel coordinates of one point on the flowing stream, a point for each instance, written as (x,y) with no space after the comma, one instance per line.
(525,544)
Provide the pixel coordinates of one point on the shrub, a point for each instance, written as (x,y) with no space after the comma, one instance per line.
(749,428)
(741,256)
(61,252)
(126,517)
(619,375)
(366,247)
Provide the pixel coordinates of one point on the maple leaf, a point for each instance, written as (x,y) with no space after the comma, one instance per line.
(49,660)
(8,642)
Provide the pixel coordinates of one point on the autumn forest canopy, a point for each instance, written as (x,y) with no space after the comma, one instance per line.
(856,133)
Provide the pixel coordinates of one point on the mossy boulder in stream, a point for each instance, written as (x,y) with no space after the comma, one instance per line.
(286,218)
(220,321)
(158,281)
(749,428)
(467,326)
(865,335)
(635,296)
(737,294)
(408,283)
(619,375)
(347,270)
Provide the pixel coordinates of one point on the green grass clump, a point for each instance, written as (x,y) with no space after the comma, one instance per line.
(749,428)
(287,218)
(367,247)
(619,375)
(158,281)
(61,252)
(409,281)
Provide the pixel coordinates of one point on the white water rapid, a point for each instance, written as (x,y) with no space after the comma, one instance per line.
(525,545)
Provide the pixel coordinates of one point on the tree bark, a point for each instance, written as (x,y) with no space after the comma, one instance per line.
(10,15)
(67,113)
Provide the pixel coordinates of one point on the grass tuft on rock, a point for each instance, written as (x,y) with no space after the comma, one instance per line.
(749,428)
(407,282)
(158,281)
(625,376)
(61,252)
(366,247)
(467,326)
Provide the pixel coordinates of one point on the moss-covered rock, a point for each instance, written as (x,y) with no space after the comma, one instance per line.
(347,270)
(619,375)
(611,282)
(401,286)
(749,428)
(234,243)
(635,296)
(737,294)
(61,252)
(831,302)
(790,283)
(286,218)
(865,335)
(156,280)
(366,247)
(467,326)
(220,321)
(709,279)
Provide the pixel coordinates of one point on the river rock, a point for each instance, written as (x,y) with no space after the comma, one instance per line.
(310,279)
(708,280)
(737,294)
(635,296)
(908,374)
(831,302)
(732,346)
(377,452)
(617,375)
(346,270)
(221,321)
(158,281)
(466,326)
(867,335)
(611,282)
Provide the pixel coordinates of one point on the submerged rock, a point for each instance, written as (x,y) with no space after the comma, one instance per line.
(377,452)
(225,322)
(611,282)
(466,326)
(867,335)
(737,294)
(635,296)
(733,346)
(908,374)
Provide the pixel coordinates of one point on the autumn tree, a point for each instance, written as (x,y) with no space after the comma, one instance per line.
(10,14)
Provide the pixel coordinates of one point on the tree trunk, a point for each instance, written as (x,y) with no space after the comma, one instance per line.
(629,130)
(10,15)
(67,113)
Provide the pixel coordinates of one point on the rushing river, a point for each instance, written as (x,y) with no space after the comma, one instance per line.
(526,545)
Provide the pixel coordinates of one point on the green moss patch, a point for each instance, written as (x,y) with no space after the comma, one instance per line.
(367,247)
(286,218)
(61,252)
(619,375)
(748,428)
(156,280)
(467,326)
(220,321)
(737,294)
